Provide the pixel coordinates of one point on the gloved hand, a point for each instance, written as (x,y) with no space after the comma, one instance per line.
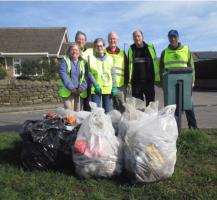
(114,91)
(97,89)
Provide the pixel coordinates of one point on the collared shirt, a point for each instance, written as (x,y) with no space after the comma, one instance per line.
(110,50)
(101,58)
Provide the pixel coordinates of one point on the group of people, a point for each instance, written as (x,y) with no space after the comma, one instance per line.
(103,75)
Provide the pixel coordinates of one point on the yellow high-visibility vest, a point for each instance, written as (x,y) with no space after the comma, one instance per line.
(154,58)
(86,53)
(102,72)
(176,58)
(63,91)
(118,60)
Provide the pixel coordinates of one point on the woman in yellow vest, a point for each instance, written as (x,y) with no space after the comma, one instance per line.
(101,66)
(72,75)
(81,40)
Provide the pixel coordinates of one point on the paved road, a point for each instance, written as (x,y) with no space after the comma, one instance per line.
(13,121)
(205,106)
(205,110)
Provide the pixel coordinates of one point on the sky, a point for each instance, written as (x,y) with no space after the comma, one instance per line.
(196,21)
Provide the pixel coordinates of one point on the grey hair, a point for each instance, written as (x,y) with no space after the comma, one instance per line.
(80,33)
(70,47)
(113,33)
(139,32)
(98,40)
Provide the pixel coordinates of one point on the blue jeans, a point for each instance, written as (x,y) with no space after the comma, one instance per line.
(106,101)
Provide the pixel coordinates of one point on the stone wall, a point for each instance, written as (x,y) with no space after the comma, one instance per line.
(20,92)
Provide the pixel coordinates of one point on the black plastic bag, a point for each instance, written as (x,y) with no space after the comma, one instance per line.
(44,141)
(35,156)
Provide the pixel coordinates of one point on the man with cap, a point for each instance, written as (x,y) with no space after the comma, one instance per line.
(178,55)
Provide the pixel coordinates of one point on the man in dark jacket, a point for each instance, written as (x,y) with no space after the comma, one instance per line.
(143,68)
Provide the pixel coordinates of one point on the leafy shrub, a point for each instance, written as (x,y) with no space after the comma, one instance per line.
(40,69)
(30,68)
(50,69)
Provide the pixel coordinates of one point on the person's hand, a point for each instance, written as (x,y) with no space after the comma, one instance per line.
(97,89)
(114,91)
(75,91)
(128,90)
(80,89)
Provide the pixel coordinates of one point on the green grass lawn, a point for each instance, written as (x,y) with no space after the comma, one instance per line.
(195,175)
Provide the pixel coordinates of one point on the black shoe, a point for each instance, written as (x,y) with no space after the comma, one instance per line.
(193,127)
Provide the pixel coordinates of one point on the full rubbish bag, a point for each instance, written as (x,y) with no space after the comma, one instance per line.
(44,141)
(134,109)
(150,146)
(97,151)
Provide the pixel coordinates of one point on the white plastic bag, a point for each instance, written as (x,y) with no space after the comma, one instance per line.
(97,150)
(135,109)
(116,117)
(131,113)
(150,146)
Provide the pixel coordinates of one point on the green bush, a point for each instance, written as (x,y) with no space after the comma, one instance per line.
(39,70)
(30,68)
(50,69)
(3,73)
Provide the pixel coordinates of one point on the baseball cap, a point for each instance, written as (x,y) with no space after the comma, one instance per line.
(173,33)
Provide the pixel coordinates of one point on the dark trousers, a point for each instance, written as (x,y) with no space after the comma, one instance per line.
(192,123)
(141,89)
(190,116)
(86,105)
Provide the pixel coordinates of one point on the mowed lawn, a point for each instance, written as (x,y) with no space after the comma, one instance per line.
(195,175)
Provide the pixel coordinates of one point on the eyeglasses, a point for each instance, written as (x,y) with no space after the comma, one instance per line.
(99,46)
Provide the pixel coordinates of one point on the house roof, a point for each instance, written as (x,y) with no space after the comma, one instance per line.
(205,55)
(32,40)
